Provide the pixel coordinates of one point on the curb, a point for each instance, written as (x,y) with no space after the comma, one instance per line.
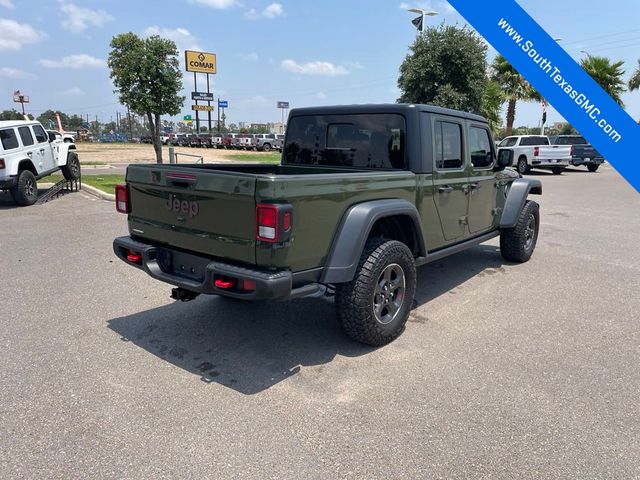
(96,192)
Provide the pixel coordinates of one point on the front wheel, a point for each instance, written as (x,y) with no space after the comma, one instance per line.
(374,307)
(25,192)
(266,147)
(71,171)
(592,167)
(518,243)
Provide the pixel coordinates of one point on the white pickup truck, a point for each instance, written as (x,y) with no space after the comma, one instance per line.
(535,151)
(28,153)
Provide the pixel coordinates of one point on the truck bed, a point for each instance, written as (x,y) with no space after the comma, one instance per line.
(210,208)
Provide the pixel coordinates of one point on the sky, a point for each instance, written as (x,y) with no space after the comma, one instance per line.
(301,51)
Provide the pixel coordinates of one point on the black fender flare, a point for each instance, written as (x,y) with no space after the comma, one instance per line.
(516,198)
(353,231)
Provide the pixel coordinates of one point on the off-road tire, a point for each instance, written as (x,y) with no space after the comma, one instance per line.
(355,300)
(25,192)
(557,170)
(523,166)
(592,167)
(266,147)
(518,243)
(71,171)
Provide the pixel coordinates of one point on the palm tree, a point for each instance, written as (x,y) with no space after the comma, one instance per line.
(607,74)
(634,81)
(514,87)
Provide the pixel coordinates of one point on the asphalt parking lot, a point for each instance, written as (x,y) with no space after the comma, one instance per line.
(504,371)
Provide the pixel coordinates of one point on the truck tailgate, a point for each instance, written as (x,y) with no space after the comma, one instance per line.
(554,152)
(205,211)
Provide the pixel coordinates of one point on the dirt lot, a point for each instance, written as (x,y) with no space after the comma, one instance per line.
(109,153)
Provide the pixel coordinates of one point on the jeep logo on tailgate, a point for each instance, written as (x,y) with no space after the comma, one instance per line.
(185,207)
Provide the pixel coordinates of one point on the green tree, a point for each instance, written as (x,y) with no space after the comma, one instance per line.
(148,79)
(492,100)
(446,67)
(48,118)
(607,74)
(513,86)
(12,114)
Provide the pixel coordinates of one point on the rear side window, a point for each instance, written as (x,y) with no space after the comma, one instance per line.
(25,136)
(508,142)
(448,143)
(480,147)
(528,141)
(41,135)
(371,141)
(8,138)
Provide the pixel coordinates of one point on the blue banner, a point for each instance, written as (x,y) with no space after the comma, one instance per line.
(559,79)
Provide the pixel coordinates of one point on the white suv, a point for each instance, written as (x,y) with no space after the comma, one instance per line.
(28,153)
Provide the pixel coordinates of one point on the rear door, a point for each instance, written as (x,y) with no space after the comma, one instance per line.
(43,151)
(450,176)
(482,180)
(208,211)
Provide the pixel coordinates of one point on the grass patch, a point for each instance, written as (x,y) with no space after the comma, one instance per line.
(92,163)
(271,157)
(106,183)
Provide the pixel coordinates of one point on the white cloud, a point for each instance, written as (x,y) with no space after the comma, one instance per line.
(314,68)
(14,35)
(7,4)
(73,92)
(250,57)
(183,37)
(354,65)
(219,4)
(78,61)
(9,72)
(77,19)
(274,10)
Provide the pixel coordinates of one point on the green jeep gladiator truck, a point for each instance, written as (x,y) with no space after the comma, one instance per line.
(363,195)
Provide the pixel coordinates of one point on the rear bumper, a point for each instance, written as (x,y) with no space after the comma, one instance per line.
(539,162)
(7,183)
(584,161)
(198,274)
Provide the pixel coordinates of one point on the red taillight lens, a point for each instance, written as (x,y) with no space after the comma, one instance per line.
(122,199)
(224,283)
(248,285)
(267,223)
(536,151)
(1,162)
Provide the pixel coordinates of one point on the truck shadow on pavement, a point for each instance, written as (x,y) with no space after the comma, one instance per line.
(251,346)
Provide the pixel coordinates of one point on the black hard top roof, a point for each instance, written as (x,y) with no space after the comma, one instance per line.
(384,108)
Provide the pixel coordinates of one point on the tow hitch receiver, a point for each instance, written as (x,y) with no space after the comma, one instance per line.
(183,295)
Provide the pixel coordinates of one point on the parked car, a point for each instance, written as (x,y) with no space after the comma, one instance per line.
(66,137)
(243,141)
(279,142)
(362,197)
(216,141)
(228,140)
(264,141)
(582,153)
(27,154)
(177,139)
(535,151)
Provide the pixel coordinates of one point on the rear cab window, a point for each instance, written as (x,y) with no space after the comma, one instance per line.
(532,141)
(508,142)
(8,139)
(365,141)
(571,141)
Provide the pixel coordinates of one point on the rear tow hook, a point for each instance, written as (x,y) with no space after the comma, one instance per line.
(183,295)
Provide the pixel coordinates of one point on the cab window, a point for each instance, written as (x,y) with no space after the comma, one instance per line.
(8,138)
(480,147)
(25,136)
(448,144)
(41,135)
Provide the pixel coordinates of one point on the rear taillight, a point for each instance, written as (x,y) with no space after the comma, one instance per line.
(536,151)
(134,257)
(122,199)
(273,222)
(1,163)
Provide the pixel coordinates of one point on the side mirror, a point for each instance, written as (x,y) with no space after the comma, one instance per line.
(505,157)
(52,136)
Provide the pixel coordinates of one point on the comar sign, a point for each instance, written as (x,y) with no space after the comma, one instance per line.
(200,62)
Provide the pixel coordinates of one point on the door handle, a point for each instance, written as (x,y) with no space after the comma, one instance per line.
(446,189)
(475,186)
(42,150)
(29,154)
